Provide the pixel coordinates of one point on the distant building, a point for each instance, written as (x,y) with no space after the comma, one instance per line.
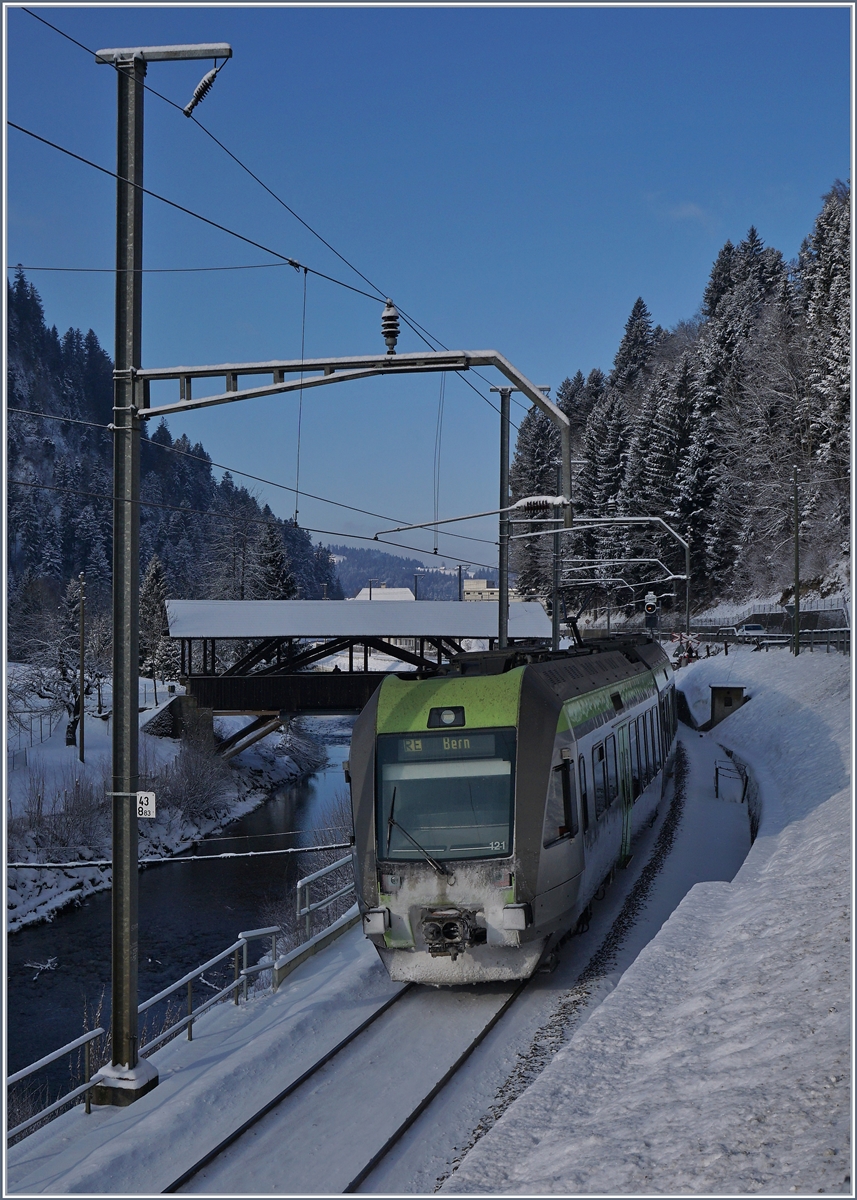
(484,589)
(380,591)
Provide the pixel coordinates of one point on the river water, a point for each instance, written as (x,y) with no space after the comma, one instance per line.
(188,913)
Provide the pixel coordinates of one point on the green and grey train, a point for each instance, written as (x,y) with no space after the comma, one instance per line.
(493,797)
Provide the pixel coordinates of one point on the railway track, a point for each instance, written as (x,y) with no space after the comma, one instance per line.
(329,1128)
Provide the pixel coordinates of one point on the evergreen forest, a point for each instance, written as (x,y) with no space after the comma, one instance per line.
(704,425)
(200,537)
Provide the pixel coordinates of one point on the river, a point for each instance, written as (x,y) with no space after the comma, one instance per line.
(189,911)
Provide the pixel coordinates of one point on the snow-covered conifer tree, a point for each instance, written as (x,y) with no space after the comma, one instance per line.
(271,577)
(635,352)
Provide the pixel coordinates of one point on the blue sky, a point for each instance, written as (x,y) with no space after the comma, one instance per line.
(514,178)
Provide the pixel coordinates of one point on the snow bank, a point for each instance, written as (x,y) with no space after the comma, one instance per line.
(720,1063)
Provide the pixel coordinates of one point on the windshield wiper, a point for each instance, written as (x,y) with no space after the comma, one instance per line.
(391,821)
(439,867)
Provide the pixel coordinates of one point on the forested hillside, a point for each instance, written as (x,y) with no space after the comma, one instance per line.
(703,425)
(200,537)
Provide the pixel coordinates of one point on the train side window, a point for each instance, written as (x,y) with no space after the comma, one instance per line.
(612,772)
(635,760)
(654,742)
(599,780)
(569,799)
(655,739)
(643,745)
(554,810)
(584,797)
(561,806)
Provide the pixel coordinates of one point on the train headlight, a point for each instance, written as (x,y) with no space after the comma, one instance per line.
(453,931)
(433,932)
(517,916)
(376,920)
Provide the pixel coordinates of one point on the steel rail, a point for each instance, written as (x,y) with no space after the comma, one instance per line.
(287,1091)
(420,1108)
(399,1132)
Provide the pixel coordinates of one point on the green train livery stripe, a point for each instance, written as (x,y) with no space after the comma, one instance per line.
(582,714)
(488,700)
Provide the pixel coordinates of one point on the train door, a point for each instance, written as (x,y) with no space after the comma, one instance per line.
(626,793)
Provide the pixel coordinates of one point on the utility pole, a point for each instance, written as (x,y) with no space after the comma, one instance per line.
(80,671)
(129,1077)
(797,567)
(555,589)
(460,593)
(503,581)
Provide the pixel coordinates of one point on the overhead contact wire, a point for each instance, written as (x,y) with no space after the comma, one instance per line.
(191,213)
(411,322)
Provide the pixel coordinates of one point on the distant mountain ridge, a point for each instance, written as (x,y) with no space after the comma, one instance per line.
(356,566)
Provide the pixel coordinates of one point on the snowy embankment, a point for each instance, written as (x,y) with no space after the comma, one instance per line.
(720,1063)
(37,893)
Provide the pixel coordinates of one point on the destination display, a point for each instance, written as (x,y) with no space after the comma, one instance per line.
(447,745)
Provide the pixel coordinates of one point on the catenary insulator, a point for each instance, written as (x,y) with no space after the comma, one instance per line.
(200,91)
(390,326)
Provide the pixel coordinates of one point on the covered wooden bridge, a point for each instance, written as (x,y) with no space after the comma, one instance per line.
(282,671)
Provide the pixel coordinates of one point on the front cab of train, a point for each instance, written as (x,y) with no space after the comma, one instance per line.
(443,887)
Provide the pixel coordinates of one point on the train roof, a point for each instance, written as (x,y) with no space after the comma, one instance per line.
(594,656)
(573,672)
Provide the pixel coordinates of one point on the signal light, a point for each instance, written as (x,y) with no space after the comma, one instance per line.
(650,606)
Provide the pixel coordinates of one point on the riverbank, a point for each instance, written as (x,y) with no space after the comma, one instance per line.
(56,799)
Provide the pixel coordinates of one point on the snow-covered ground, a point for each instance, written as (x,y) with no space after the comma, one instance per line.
(240,1058)
(714,1060)
(721,1061)
(36,894)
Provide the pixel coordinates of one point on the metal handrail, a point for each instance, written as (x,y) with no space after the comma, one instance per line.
(191,975)
(241,980)
(83,1089)
(189,1020)
(186,1022)
(49,1058)
(46,1112)
(306,909)
(742,614)
(322,872)
(248,936)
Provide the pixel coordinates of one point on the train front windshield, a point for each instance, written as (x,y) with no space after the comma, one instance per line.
(449,795)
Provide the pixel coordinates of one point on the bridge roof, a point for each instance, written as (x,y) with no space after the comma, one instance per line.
(352,618)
